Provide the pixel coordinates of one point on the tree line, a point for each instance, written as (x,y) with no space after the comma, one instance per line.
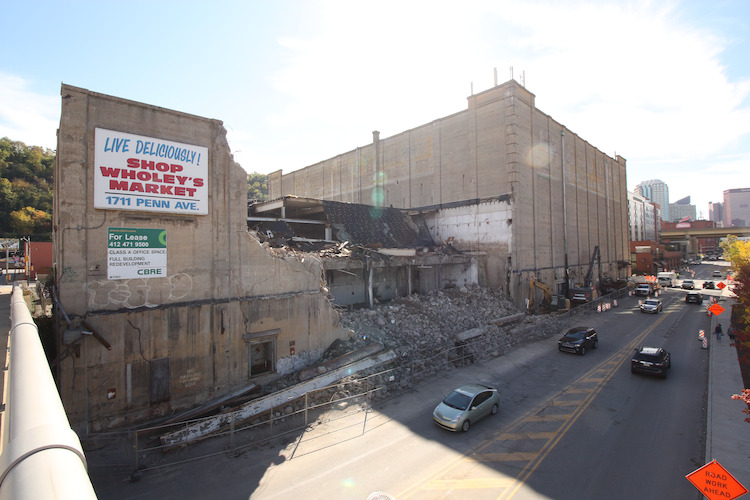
(26,183)
(26,177)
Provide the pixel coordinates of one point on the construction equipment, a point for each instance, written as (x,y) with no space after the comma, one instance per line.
(586,291)
(550,302)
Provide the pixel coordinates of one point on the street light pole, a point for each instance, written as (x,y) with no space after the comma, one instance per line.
(27,257)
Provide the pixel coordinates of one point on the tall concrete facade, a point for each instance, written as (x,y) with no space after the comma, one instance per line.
(167,300)
(558,195)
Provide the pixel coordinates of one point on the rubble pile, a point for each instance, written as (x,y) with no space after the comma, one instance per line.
(429,333)
(422,329)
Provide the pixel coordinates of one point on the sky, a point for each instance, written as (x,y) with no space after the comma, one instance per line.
(664,84)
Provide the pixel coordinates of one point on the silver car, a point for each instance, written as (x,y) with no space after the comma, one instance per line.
(465,406)
(651,306)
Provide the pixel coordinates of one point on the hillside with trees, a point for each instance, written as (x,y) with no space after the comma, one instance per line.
(26,177)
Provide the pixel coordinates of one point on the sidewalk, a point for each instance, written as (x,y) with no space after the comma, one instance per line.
(727,433)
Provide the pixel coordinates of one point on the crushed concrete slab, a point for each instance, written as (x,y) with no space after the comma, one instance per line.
(206,427)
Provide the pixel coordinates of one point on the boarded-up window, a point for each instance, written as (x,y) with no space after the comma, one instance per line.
(160,382)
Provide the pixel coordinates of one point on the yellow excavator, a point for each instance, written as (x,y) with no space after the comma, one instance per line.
(550,302)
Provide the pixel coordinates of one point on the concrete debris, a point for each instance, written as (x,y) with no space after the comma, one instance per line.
(419,327)
(465,324)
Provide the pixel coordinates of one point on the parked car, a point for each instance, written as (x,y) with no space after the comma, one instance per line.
(694,297)
(716,274)
(651,306)
(688,284)
(709,284)
(577,339)
(465,406)
(651,360)
(643,289)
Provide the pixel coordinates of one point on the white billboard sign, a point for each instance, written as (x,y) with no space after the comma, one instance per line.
(135,172)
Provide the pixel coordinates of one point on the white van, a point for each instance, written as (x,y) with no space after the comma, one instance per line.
(666,279)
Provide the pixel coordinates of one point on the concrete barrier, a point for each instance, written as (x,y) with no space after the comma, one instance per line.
(41,456)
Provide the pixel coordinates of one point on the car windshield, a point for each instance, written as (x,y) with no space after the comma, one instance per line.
(578,335)
(652,303)
(457,400)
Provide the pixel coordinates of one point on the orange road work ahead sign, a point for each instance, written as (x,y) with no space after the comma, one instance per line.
(715,482)
(721,285)
(716,309)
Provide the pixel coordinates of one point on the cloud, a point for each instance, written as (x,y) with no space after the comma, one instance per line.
(26,116)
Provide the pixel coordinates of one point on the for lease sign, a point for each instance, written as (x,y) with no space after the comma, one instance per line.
(135,172)
(136,253)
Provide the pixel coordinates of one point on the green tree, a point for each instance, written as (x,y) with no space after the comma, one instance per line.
(30,221)
(738,253)
(257,187)
(26,180)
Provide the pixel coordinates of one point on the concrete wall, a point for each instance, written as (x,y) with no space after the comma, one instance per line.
(566,196)
(196,332)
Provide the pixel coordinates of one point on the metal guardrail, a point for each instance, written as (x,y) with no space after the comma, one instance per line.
(41,456)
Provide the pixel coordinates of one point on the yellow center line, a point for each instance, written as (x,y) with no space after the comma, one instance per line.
(599,376)
(622,355)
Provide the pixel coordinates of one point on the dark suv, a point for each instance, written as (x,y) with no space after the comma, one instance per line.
(694,297)
(651,360)
(577,339)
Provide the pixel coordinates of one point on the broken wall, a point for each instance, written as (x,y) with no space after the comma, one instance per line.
(566,196)
(194,307)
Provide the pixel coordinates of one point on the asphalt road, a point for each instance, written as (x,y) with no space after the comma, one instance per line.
(570,427)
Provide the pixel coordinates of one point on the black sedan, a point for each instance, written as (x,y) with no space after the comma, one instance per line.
(577,339)
(709,284)
(651,360)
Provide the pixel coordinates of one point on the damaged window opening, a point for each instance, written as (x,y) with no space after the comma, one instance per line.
(261,352)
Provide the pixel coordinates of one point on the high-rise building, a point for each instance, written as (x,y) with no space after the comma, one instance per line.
(737,207)
(643,218)
(682,209)
(715,212)
(656,191)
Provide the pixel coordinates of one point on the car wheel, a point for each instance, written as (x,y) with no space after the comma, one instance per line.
(494,409)
(632,370)
(465,426)
(596,343)
(583,350)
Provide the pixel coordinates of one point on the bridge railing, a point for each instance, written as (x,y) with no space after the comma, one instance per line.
(41,456)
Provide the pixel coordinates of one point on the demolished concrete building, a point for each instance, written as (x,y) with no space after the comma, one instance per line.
(369,254)
(165,299)
(170,299)
(500,179)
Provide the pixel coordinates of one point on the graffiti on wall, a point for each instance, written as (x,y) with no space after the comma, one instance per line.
(138,292)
